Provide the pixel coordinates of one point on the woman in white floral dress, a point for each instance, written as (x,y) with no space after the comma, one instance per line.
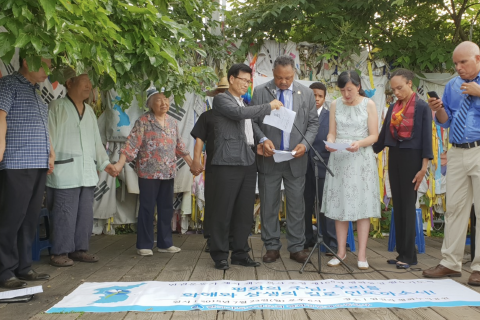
(353,193)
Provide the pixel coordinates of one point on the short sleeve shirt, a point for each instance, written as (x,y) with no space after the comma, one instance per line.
(204,129)
(27,138)
(154,147)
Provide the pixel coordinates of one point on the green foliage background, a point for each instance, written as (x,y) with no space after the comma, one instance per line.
(122,44)
(415,34)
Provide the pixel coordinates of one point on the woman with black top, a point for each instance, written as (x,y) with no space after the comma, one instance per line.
(407,131)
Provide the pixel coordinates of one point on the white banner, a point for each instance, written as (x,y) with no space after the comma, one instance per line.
(156,296)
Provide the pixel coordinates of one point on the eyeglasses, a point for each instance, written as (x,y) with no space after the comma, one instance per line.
(245,81)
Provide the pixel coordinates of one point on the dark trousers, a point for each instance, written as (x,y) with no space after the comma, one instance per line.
(232,207)
(403,165)
(159,192)
(71,218)
(327,225)
(209,200)
(21,194)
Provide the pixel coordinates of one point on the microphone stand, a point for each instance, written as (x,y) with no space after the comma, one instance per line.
(319,241)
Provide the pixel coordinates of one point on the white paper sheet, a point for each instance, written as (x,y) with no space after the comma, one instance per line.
(337,146)
(20,292)
(282,119)
(280,156)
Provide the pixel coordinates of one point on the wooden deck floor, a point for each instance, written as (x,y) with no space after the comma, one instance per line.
(119,262)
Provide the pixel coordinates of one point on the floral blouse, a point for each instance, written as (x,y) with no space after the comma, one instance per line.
(155,147)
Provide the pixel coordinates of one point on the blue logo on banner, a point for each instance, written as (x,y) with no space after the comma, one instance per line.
(115,294)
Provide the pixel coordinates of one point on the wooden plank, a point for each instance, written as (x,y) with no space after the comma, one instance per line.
(250,315)
(372,314)
(104,316)
(274,271)
(120,262)
(149,267)
(195,315)
(56,316)
(451,314)
(43,266)
(204,271)
(241,274)
(182,264)
(419,314)
(298,314)
(56,288)
(425,261)
(148,316)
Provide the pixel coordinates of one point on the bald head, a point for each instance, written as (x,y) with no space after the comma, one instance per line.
(468,47)
(466,58)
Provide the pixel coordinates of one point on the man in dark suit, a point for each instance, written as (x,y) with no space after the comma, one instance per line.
(234,169)
(327,226)
(299,99)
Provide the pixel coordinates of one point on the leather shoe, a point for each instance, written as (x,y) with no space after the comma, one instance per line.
(13,283)
(246,262)
(474,279)
(300,256)
(440,271)
(221,265)
(271,256)
(32,276)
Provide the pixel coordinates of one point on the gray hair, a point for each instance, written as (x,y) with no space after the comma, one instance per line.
(284,61)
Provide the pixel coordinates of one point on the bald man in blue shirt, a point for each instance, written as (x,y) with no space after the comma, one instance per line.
(459,110)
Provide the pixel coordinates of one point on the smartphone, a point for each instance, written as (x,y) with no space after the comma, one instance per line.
(433,94)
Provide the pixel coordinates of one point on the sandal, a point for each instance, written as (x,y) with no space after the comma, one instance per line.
(83,256)
(61,260)
(392,261)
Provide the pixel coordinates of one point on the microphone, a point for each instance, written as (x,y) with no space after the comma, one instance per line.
(273,93)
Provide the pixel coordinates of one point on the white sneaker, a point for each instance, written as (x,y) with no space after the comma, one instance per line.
(335,262)
(363,265)
(144,252)
(172,249)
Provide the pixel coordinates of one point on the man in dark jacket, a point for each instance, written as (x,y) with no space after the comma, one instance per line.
(234,169)
(327,226)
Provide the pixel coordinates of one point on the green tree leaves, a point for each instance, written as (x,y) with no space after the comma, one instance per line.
(122,44)
(408,33)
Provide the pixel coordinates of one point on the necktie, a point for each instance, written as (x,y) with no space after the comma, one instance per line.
(458,129)
(282,100)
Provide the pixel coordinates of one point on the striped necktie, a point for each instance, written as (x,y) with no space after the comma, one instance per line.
(458,129)
(282,100)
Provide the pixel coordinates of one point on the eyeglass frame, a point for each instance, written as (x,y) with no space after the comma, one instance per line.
(245,81)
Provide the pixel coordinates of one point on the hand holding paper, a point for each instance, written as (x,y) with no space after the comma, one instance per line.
(337,146)
(282,119)
(280,155)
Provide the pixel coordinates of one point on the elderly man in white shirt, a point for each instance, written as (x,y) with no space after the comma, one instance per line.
(70,189)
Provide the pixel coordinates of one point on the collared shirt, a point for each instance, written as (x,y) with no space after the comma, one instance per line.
(288,103)
(452,101)
(155,147)
(248,124)
(79,151)
(27,138)
(319,110)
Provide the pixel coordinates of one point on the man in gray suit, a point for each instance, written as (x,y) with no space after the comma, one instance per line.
(300,99)
(234,169)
